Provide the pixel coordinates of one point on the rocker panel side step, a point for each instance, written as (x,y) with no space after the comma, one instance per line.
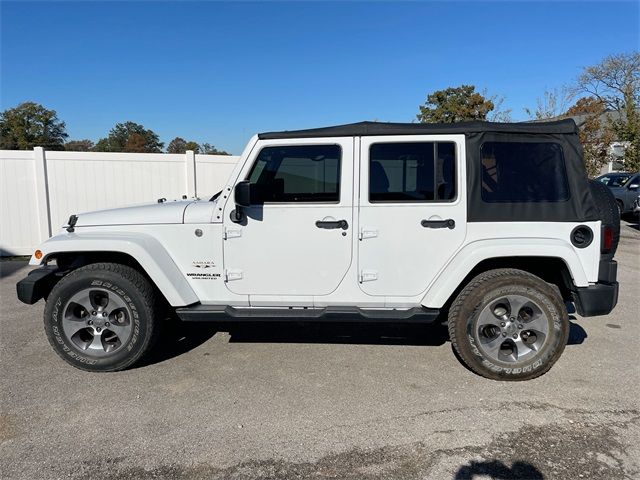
(208,313)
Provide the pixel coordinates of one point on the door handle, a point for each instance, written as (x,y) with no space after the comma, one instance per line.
(332,224)
(449,223)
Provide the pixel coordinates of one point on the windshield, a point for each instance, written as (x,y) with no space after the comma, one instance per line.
(614,180)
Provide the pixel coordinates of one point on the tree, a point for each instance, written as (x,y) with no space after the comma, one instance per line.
(130,137)
(79,145)
(177,145)
(615,82)
(209,149)
(455,104)
(136,143)
(192,146)
(595,135)
(31,125)
(498,114)
(552,104)
(180,145)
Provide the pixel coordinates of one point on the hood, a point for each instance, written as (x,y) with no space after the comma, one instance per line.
(153,213)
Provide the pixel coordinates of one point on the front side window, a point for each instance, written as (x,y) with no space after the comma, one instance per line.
(300,173)
(412,172)
(520,172)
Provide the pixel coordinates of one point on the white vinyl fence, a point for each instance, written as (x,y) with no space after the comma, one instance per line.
(40,189)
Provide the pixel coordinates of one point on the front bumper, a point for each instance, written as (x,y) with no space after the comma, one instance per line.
(601,297)
(37,284)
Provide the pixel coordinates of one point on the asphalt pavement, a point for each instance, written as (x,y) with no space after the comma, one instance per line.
(289,401)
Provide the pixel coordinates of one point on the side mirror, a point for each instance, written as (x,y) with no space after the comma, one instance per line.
(242,199)
(242,194)
(634,186)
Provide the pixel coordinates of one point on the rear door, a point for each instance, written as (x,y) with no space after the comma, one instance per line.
(412,210)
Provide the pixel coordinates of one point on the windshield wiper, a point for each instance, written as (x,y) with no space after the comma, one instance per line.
(215,196)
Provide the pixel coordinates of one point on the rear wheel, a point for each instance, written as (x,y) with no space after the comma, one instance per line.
(101,317)
(508,324)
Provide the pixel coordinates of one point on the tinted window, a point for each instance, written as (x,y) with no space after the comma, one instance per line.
(309,173)
(523,172)
(418,172)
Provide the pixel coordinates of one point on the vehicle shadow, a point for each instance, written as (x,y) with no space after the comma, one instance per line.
(338,333)
(178,337)
(577,334)
(498,470)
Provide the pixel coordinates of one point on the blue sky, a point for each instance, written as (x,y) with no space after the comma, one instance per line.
(219,72)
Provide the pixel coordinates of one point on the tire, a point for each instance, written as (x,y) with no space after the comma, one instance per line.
(609,211)
(100,317)
(482,334)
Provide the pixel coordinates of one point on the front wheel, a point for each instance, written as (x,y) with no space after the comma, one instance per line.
(101,317)
(508,324)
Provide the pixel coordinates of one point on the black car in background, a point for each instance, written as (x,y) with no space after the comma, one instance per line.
(624,186)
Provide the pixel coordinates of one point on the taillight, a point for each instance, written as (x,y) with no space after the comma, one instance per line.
(607,239)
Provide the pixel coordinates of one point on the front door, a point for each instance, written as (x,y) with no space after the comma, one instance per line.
(296,238)
(412,211)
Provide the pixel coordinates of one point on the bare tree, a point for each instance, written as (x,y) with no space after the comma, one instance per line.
(498,114)
(552,104)
(615,81)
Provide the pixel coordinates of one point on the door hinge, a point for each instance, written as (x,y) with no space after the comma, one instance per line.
(231,275)
(368,275)
(232,233)
(367,233)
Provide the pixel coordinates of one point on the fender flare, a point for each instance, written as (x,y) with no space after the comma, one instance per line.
(145,249)
(468,257)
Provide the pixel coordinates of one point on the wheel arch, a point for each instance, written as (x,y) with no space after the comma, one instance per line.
(139,251)
(556,263)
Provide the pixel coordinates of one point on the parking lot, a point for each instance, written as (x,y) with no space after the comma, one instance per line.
(321,401)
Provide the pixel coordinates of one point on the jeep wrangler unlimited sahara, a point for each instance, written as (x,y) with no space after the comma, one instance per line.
(491,227)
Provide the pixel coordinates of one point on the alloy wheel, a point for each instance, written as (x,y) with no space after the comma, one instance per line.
(97,321)
(511,329)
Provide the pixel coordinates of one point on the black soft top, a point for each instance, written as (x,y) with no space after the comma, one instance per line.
(566,126)
(579,207)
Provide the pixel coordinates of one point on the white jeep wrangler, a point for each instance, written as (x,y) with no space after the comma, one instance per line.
(492,227)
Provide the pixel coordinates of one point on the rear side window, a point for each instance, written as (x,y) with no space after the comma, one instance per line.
(412,172)
(523,172)
(300,173)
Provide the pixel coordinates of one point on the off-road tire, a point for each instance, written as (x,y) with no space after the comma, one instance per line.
(487,288)
(609,210)
(132,288)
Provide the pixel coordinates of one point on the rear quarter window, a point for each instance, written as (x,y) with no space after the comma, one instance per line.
(520,172)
